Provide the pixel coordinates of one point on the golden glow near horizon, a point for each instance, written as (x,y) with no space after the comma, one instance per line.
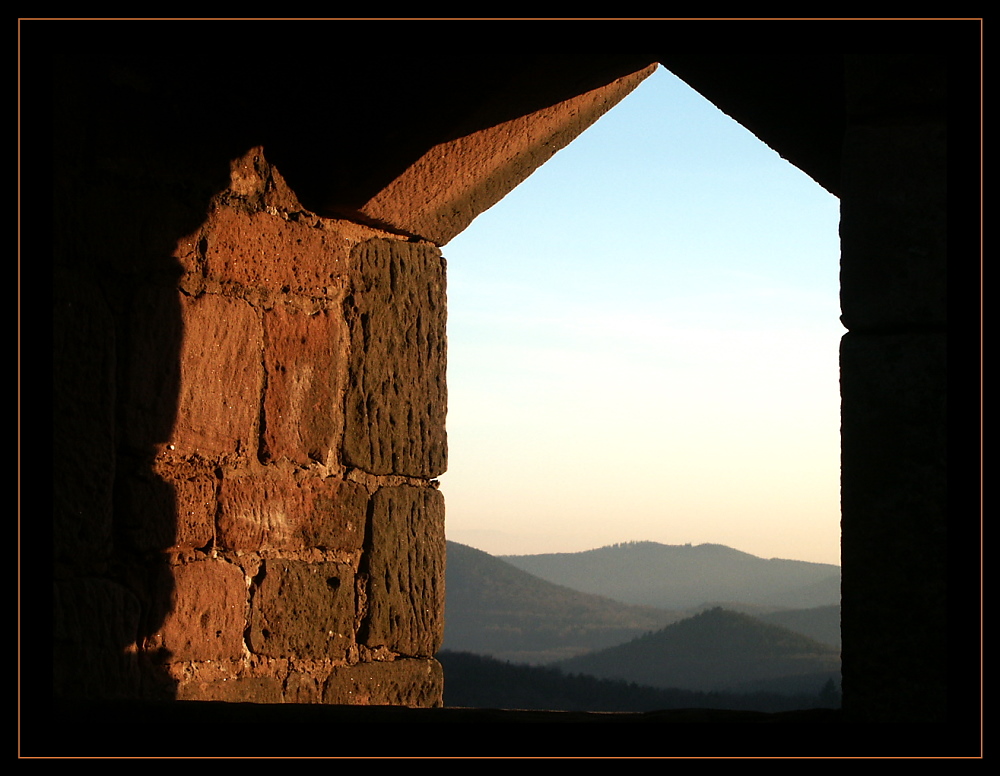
(643,345)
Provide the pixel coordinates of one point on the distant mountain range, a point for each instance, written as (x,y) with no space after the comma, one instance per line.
(682,577)
(752,645)
(493,608)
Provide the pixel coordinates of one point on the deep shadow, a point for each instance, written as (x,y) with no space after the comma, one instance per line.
(136,160)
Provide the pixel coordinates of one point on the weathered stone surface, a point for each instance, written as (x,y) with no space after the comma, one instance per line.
(305,359)
(194,375)
(196,503)
(209,613)
(165,512)
(396,396)
(268,251)
(303,687)
(218,405)
(406,571)
(282,513)
(445,189)
(417,683)
(239,689)
(303,610)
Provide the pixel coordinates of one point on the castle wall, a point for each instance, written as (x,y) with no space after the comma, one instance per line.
(268,527)
(894,385)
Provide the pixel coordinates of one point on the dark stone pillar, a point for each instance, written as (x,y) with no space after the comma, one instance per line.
(893,386)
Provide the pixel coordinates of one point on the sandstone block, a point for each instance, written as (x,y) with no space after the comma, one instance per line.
(303,610)
(239,689)
(209,613)
(415,683)
(406,571)
(282,513)
(164,512)
(194,373)
(269,252)
(396,395)
(218,404)
(303,687)
(305,359)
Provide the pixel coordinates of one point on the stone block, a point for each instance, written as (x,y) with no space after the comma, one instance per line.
(237,689)
(305,359)
(168,512)
(263,513)
(208,616)
(415,683)
(303,610)
(406,565)
(274,253)
(303,687)
(218,403)
(396,394)
(193,374)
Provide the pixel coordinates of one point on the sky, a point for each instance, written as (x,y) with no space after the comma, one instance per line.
(643,345)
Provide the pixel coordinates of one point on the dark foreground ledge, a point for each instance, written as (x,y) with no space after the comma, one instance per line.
(213,729)
(217,712)
(216,729)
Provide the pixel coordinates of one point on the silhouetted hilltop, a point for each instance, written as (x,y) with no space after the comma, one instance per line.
(714,650)
(678,577)
(496,609)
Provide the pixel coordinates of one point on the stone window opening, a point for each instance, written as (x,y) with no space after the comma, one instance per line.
(529,286)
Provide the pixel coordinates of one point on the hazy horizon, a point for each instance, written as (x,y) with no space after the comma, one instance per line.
(643,345)
(469,538)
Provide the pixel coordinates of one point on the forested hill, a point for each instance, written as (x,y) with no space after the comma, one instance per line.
(482,682)
(714,650)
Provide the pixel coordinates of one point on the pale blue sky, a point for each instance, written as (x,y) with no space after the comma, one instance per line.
(643,345)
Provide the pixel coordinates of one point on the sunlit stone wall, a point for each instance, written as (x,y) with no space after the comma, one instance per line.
(272,530)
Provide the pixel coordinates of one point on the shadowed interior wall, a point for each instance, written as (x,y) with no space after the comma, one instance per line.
(256,532)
